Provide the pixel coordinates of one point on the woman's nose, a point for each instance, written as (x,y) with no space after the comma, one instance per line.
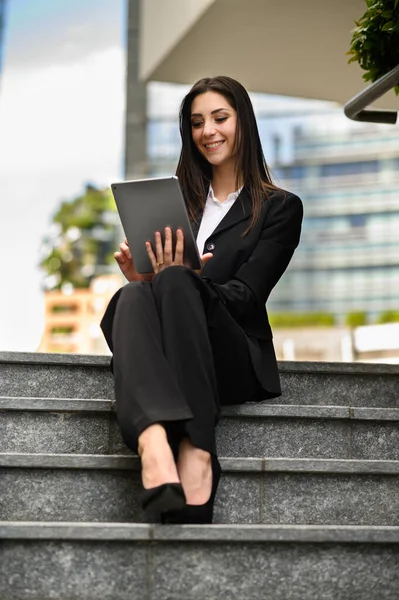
(209,129)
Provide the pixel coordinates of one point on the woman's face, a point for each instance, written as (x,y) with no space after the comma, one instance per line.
(213,126)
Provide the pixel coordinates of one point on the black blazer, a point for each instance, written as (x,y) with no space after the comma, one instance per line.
(245,269)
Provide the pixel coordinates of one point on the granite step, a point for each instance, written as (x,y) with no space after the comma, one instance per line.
(81,561)
(69,425)
(86,376)
(88,488)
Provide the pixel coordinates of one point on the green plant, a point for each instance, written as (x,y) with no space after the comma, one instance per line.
(375,41)
(388,316)
(80,240)
(301,320)
(356,319)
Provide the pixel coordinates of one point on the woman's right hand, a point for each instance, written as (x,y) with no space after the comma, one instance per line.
(126,264)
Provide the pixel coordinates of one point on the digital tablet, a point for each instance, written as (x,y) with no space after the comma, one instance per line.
(149,205)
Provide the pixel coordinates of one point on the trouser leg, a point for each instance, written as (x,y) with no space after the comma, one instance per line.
(146,390)
(184,305)
(176,350)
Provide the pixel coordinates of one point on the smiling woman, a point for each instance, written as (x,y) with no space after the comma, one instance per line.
(185,343)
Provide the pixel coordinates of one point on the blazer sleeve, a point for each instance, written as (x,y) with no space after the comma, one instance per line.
(251,286)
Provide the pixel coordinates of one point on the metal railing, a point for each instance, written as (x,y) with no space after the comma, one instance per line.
(357,110)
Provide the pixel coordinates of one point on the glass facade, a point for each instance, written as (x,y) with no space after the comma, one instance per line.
(347,175)
(348,260)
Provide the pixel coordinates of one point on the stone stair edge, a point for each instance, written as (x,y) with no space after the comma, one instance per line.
(243,465)
(256,410)
(96,360)
(68,531)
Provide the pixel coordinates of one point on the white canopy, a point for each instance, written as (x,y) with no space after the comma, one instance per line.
(289,47)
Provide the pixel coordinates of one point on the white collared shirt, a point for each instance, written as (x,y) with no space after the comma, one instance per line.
(214,212)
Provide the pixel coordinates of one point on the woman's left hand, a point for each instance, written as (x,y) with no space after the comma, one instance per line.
(164,256)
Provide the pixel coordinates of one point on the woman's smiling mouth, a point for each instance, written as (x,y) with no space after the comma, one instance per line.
(213,145)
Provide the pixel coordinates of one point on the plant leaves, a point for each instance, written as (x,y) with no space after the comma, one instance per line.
(388,26)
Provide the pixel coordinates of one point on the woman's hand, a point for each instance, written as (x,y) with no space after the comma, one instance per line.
(164,257)
(126,264)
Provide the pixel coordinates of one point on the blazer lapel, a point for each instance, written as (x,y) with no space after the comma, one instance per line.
(241,209)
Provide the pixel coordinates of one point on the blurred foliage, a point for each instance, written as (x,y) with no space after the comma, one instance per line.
(279,320)
(375,41)
(356,319)
(80,239)
(389,316)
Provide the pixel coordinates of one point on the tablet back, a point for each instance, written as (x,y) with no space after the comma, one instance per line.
(149,205)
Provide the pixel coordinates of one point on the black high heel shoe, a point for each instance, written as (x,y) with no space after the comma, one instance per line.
(192,514)
(163,498)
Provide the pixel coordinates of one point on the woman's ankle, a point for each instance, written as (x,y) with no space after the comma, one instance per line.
(154,434)
(158,465)
(187,448)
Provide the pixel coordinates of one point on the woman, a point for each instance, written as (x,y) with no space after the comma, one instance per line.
(185,343)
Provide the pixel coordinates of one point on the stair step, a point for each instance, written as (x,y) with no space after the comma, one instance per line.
(275,491)
(85,376)
(124,561)
(89,426)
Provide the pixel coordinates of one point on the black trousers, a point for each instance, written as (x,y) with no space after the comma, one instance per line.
(178,355)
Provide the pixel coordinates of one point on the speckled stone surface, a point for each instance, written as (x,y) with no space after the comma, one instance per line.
(64,495)
(342,389)
(45,431)
(54,432)
(108,496)
(116,443)
(283,438)
(197,571)
(330,499)
(56,381)
(271,498)
(74,571)
(274,572)
(80,376)
(375,440)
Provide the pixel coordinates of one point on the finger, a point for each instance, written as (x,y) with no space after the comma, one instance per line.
(206,257)
(125,250)
(168,249)
(152,257)
(126,242)
(119,257)
(158,248)
(179,250)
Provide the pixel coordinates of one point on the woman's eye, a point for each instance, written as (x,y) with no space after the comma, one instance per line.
(220,119)
(196,124)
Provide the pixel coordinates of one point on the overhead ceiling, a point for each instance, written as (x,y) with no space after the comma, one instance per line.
(288,47)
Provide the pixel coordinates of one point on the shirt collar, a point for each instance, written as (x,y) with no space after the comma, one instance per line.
(230,198)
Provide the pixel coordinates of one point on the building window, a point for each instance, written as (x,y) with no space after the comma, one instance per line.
(350,168)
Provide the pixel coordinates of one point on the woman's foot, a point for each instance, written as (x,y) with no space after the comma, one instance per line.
(157,461)
(200,514)
(195,470)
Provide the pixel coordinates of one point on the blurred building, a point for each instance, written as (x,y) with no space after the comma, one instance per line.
(348,259)
(72,321)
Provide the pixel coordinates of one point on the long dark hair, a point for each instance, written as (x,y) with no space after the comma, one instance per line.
(194,171)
